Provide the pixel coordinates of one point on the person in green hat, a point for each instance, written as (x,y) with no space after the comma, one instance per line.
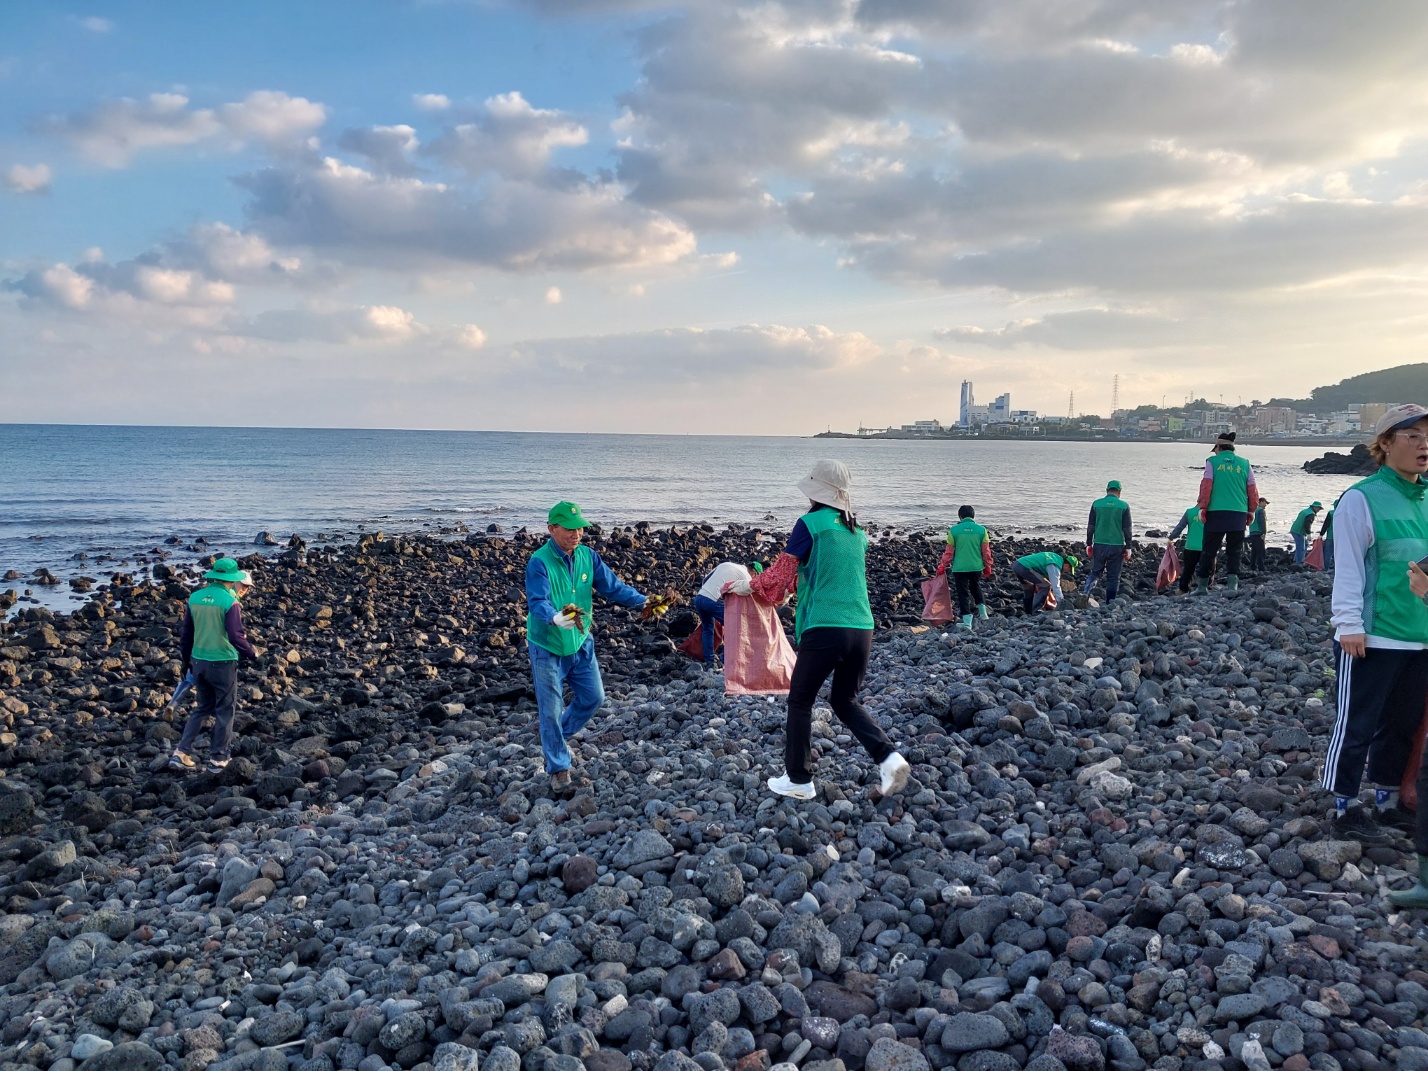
(1302,529)
(969,553)
(212,642)
(1040,576)
(561,579)
(1228,500)
(1257,529)
(1108,539)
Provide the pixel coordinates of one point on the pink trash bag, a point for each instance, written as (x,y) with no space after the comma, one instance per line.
(1169,570)
(937,600)
(1315,558)
(758,659)
(694,645)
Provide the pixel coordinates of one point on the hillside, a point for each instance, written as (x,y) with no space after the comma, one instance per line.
(1406,383)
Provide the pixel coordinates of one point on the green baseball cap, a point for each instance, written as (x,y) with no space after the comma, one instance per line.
(1071,562)
(1113,485)
(226,569)
(566,515)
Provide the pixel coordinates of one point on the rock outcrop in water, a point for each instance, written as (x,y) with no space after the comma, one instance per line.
(1357,462)
(1111,853)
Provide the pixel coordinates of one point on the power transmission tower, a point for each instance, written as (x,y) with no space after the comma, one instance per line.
(1115,394)
(1071,406)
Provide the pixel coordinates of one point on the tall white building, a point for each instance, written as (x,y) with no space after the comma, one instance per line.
(964,417)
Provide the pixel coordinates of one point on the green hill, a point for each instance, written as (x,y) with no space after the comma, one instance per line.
(1406,383)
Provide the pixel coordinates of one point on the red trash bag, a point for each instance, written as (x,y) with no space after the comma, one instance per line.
(694,645)
(937,600)
(1408,788)
(1169,570)
(1315,558)
(758,659)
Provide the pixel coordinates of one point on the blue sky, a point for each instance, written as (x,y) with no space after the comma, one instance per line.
(772,217)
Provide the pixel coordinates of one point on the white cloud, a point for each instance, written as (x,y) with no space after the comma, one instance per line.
(28,178)
(553,296)
(387,148)
(114,131)
(384,324)
(470,337)
(508,136)
(431,102)
(95,24)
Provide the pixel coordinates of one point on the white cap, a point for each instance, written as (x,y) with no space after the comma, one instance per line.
(1400,416)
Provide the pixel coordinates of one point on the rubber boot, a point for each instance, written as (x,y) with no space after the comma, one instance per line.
(1232,583)
(966,622)
(982,614)
(1416,896)
(1202,586)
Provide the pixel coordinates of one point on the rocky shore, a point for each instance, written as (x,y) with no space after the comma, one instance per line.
(1112,852)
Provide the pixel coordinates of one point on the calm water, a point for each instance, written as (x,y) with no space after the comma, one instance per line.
(111,492)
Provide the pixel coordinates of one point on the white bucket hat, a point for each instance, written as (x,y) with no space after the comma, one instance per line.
(828,484)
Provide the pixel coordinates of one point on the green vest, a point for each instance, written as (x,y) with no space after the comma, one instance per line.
(209,606)
(1037,563)
(1400,536)
(1194,529)
(833,583)
(1328,527)
(1109,530)
(565,588)
(967,537)
(1304,523)
(1257,526)
(1230,489)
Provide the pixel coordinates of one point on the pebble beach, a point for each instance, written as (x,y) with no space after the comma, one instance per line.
(1112,852)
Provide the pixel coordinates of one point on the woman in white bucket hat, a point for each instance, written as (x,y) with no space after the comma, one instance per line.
(825,561)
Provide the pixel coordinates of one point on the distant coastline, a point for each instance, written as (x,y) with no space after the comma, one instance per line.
(911,436)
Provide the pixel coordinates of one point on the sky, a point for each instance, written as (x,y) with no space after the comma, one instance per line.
(712,217)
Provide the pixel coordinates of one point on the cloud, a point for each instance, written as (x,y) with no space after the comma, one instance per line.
(27,178)
(470,337)
(1079,329)
(388,324)
(431,102)
(553,296)
(95,24)
(114,131)
(509,137)
(369,218)
(386,148)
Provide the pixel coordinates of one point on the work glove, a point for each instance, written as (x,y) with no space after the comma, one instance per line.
(564,620)
(1128,554)
(941,569)
(738,587)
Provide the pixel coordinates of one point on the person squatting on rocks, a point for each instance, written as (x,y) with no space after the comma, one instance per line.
(1040,576)
(1108,539)
(1380,632)
(1257,530)
(1194,529)
(561,579)
(825,561)
(212,642)
(969,553)
(1302,529)
(709,602)
(1228,500)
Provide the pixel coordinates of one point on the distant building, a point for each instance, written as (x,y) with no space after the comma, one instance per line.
(964,412)
(1274,419)
(1369,412)
(1000,411)
(924,427)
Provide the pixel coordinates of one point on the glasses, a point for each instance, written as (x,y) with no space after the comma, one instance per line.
(1414,438)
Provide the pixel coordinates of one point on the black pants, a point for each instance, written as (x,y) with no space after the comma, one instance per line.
(969,591)
(1034,587)
(217,686)
(1188,560)
(1234,542)
(843,652)
(1256,543)
(1380,706)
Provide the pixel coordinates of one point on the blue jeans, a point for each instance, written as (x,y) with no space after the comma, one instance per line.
(558,722)
(1300,548)
(709,611)
(1108,560)
(216,684)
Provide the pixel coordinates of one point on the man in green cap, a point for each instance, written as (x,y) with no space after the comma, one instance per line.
(1302,529)
(1040,576)
(1108,539)
(561,578)
(212,643)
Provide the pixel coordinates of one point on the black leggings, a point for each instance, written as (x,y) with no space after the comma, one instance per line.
(843,652)
(969,592)
(1187,569)
(1233,542)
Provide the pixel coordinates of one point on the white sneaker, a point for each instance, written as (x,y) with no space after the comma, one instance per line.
(784,787)
(895,771)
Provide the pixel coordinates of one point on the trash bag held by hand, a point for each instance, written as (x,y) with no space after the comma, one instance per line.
(758,659)
(937,600)
(694,645)
(184,687)
(1315,558)
(1169,570)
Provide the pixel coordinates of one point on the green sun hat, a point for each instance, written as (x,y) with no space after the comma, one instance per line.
(566,515)
(1114,485)
(1316,505)
(226,569)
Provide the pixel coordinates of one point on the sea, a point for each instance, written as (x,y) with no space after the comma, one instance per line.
(93,500)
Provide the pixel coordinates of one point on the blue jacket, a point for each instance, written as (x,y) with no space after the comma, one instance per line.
(605,582)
